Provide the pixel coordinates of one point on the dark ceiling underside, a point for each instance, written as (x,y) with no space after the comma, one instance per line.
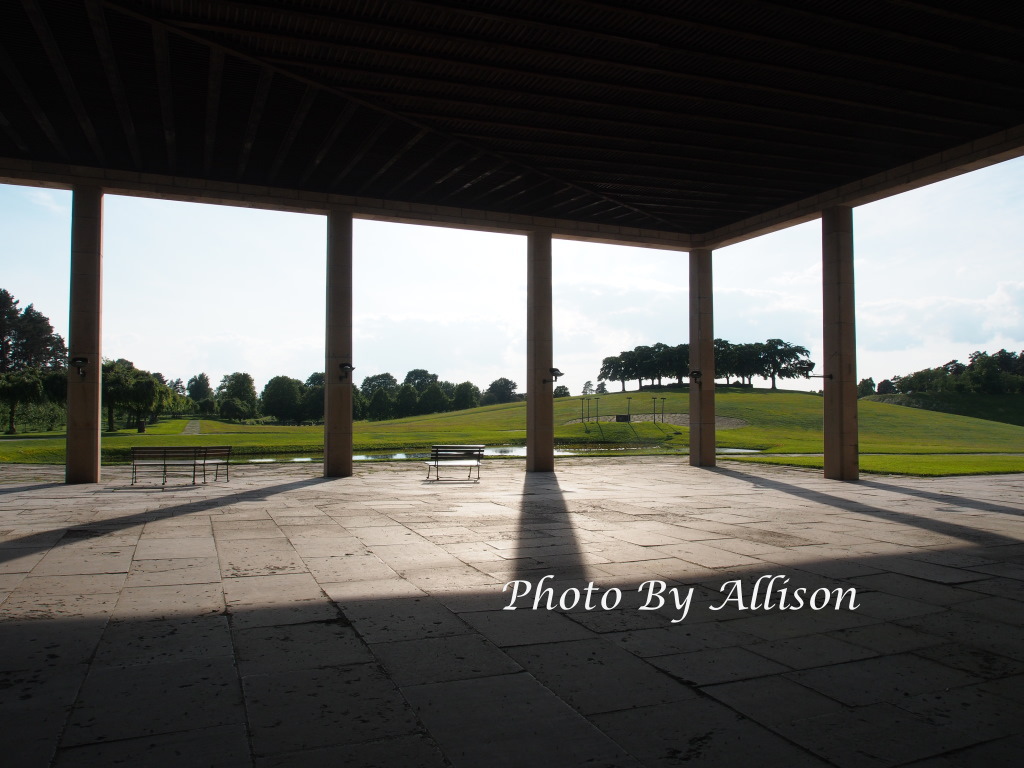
(676,115)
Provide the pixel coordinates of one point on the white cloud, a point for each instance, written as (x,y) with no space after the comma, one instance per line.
(49,201)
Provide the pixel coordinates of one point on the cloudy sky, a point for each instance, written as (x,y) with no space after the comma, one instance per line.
(197,288)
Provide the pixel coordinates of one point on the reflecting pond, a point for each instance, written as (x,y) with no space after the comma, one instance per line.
(498,450)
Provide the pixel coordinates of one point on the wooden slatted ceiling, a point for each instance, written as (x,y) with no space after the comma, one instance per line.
(677,115)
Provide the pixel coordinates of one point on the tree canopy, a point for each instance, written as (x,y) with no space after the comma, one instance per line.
(502,390)
(282,398)
(999,373)
(773,359)
(419,379)
(384,381)
(27,339)
(30,354)
(241,387)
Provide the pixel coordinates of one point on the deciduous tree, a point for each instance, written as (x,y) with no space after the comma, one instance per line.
(384,381)
(467,395)
(502,390)
(282,398)
(240,386)
(199,388)
(777,358)
(380,405)
(433,400)
(19,388)
(420,379)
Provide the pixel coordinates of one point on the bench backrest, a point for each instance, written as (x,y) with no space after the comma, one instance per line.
(147,452)
(442,452)
(171,453)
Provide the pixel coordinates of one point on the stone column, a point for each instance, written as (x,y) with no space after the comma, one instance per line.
(338,354)
(85,366)
(840,345)
(702,359)
(540,409)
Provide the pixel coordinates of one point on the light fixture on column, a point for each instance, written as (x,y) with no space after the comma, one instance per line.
(555,373)
(346,370)
(695,375)
(80,363)
(804,368)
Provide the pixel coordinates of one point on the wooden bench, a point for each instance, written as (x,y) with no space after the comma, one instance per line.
(182,460)
(455,456)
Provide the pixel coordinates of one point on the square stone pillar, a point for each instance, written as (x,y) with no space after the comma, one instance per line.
(702,360)
(842,460)
(338,371)
(540,408)
(82,464)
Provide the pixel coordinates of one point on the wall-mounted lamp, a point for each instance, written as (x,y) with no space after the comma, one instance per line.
(695,375)
(80,363)
(555,373)
(346,370)
(804,368)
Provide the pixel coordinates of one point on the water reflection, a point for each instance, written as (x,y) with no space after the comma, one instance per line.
(498,450)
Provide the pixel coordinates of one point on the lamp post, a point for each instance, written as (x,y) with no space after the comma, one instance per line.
(663,410)
(628,404)
(597,409)
(654,409)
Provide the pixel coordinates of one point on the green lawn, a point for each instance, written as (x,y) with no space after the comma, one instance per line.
(917,441)
(1005,408)
(935,465)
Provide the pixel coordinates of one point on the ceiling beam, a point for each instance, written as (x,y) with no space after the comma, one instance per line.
(829,83)
(31,105)
(961,118)
(356,154)
(903,37)
(15,136)
(374,106)
(259,104)
(854,57)
(833,128)
(63,75)
(993,149)
(298,120)
(214,80)
(639,147)
(346,113)
(101,33)
(165,90)
(171,187)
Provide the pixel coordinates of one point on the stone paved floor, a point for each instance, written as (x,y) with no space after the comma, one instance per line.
(282,619)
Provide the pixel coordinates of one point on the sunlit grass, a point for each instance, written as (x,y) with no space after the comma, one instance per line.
(935,465)
(921,442)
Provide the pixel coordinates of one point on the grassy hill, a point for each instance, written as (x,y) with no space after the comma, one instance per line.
(903,439)
(1005,408)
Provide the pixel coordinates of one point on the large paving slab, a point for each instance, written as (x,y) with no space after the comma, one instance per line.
(664,615)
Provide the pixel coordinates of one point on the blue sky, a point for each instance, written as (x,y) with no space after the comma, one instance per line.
(199,288)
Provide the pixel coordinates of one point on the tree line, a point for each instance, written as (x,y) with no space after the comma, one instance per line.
(422,392)
(1001,373)
(379,397)
(33,381)
(772,359)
